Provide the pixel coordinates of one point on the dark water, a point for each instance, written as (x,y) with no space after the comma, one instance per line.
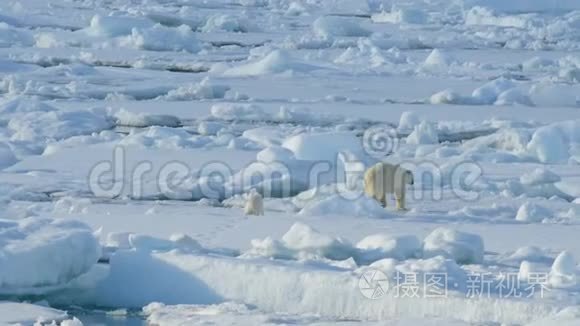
(96,316)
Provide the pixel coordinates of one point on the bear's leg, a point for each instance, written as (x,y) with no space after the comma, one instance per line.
(400,198)
(383,200)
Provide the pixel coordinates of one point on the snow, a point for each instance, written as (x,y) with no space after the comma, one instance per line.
(524,5)
(160,137)
(408,121)
(205,89)
(56,125)
(303,238)
(344,204)
(530,212)
(7,157)
(237,112)
(116,25)
(10,36)
(12,313)
(380,246)
(329,27)
(228,23)
(554,143)
(527,270)
(208,128)
(401,16)
(539,176)
(275,62)
(563,273)
(142,120)
(161,38)
(322,146)
(187,106)
(63,250)
(486,16)
(464,248)
(567,317)
(437,59)
(292,287)
(275,154)
(301,242)
(423,134)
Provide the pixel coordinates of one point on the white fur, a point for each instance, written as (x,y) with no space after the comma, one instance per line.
(254,204)
(383,178)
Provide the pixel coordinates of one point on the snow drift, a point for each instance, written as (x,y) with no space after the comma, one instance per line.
(37,253)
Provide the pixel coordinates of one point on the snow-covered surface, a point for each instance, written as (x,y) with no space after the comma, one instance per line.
(12,313)
(40,253)
(133,131)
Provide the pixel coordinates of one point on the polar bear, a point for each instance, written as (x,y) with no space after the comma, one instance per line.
(383,178)
(254,204)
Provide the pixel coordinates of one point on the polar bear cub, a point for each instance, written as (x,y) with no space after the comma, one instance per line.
(383,178)
(254,203)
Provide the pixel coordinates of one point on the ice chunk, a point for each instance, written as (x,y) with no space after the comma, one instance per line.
(401,16)
(275,62)
(111,26)
(62,250)
(569,316)
(57,124)
(563,271)
(345,204)
(463,247)
(161,137)
(11,37)
(486,16)
(437,59)
(205,89)
(183,241)
(423,134)
(228,23)
(553,143)
(379,246)
(539,176)
(531,212)
(448,96)
(176,241)
(23,105)
(209,128)
(275,154)
(328,26)
(161,38)
(14,313)
(519,6)
(142,120)
(408,121)
(322,146)
(237,112)
(70,205)
(119,240)
(528,268)
(302,237)
(489,92)
(513,96)
(7,157)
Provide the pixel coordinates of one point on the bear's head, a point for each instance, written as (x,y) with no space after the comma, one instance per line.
(409,177)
